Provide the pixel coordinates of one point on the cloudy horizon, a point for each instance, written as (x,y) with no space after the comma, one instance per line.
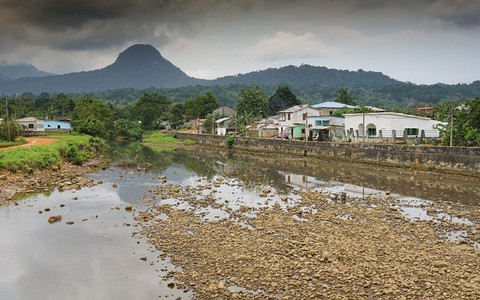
(424,42)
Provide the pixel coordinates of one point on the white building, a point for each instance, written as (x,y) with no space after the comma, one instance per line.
(32,124)
(224,125)
(390,124)
(295,115)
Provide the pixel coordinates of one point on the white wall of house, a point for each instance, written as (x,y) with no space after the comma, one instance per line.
(32,124)
(288,118)
(388,122)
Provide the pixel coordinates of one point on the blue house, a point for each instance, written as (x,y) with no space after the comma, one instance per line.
(57,125)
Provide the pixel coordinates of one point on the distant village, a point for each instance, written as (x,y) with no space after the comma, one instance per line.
(317,123)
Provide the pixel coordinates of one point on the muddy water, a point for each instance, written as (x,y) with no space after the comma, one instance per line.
(100,257)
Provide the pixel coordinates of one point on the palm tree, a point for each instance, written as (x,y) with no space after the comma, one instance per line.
(344,95)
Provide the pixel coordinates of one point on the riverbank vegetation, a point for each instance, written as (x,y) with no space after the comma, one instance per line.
(156,137)
(75,149)
(154,110)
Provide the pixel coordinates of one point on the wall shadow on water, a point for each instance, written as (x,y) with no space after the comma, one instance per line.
(252,169)
(411,183)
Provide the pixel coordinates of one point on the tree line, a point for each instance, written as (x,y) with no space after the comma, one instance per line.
(154,110)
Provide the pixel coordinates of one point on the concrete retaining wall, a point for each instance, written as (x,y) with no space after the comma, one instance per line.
(457,159)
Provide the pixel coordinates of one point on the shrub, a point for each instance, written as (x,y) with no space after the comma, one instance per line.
(129,129)
(230,141)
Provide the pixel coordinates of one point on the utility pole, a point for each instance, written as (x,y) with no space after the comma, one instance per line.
(363,127)
(6,112)
(451,127)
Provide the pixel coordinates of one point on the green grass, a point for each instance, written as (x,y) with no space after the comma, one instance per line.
(15,143)
(189,142)
(72,148)
(161,138)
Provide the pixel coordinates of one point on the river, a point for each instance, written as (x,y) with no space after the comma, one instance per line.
(100,256)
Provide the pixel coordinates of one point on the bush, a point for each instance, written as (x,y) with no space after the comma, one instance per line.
(230,141)
(129,129)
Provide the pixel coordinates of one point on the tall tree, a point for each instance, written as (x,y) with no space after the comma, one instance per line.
(175,114)
(254,101)
(282,99)
(466,122)
(201,106)
(92,116)
(345,96)
(150,109)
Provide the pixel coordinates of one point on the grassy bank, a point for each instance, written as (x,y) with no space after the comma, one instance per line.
(73,148)
(15,143)
(164,138)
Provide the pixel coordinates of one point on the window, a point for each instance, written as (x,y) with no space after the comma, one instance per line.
(372,131)
(303,130)
(289,116)
(411,131)
(325,123)
(58,126)
(30,126)
(318,123)
(331,112)
(304,116)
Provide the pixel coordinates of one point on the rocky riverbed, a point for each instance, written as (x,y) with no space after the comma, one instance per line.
(310,244)
(64,177)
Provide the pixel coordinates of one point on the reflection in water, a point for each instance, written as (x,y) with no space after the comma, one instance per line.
(98,259)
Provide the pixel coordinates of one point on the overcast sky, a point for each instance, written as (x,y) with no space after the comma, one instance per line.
(422,41)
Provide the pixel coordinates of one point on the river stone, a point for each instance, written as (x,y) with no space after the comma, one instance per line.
(128,207)
(171,285)
(54,219)
(439,264)
(3,177)
(69,222)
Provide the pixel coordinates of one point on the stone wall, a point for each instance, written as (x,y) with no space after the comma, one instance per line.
(457,159)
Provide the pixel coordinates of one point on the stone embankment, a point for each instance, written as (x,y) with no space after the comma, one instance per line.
(465,160)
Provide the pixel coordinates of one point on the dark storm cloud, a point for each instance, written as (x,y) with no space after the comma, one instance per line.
(463,13)
(98,24)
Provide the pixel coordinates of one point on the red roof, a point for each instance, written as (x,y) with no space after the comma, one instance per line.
(426,108)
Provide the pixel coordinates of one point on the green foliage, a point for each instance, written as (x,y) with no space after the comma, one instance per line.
(282,99)
(201,106)
(253,101)
(9,130)
(75,149)
(15,143)
(151,109)
(93,117)
(189,142)
(345,96)
(230,141)
(175,114)
(466,123)
(345,110)
(128,128)
(161,138)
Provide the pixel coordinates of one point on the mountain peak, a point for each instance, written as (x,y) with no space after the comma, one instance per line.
(143,54)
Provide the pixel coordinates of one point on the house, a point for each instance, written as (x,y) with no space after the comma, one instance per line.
(390,125)
(57,125)
(293,116)
(328,108)
(225,111)
(224,126)
(32,125)
(323,128)
(266,128)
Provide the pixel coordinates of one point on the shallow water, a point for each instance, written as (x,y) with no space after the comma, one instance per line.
(98,257)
